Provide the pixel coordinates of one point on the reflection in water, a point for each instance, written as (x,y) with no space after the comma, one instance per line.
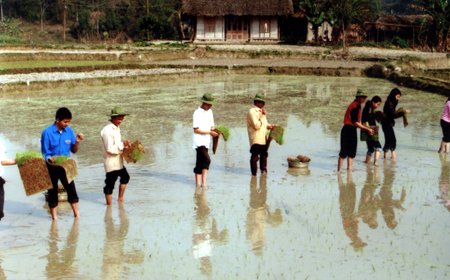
(60,262)
(387,203)
(2,273)
(205,232)
(298,171)
(259,214)
(444,181)
(370,203)
(347,203)
(113,254)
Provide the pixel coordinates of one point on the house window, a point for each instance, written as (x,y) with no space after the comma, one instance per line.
(264,27)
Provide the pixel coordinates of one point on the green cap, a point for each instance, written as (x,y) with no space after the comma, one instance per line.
(207,98)
(260,97)
(361,93)
(117,111)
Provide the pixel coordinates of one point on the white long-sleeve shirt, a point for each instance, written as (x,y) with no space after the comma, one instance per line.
(112,147)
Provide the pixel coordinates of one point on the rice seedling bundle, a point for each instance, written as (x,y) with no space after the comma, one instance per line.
(221,130)
(364,136)
(33,172)
(66,163)
(379,116)
(405,117)
(276,133)
(134,153)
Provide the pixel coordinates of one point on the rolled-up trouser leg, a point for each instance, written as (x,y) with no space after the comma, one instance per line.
(263,162)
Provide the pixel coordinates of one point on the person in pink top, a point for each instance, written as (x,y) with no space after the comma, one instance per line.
(445,124)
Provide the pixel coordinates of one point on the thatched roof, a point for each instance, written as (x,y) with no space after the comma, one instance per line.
(237,7)
(387,22)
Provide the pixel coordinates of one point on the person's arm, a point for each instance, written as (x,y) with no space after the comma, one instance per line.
(203,132)
(365,115)
(111,147)
(8,161)
(45,146)
(78,139)
(354,117)
(256,119)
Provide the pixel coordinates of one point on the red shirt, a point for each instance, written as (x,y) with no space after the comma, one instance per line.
(353,114)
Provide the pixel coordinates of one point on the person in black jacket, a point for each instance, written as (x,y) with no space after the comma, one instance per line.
(368,119)
(388,123)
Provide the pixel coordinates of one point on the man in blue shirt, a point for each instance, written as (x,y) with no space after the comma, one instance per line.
(59,140)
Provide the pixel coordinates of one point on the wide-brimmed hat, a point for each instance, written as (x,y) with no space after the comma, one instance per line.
(361,93)
(117,111)
(207,98)
(260,97)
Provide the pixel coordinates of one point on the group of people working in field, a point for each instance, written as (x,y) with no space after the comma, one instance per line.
(59,140)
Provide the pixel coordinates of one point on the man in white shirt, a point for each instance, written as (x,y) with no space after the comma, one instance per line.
(112,155)
(203,129)
(3,161)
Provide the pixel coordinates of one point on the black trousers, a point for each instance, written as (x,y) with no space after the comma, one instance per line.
(111,178)
(349,141)
(389,135)
(58,173)
(203,160)
(2,197)
(445,131)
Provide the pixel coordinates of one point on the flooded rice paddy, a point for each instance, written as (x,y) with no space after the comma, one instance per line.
(386,222)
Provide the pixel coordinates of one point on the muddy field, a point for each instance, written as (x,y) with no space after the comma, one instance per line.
(386,222)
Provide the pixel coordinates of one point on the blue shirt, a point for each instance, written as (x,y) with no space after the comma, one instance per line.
(56,143)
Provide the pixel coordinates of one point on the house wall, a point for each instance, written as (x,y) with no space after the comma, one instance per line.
(217,35)
(324,27)
(257,34)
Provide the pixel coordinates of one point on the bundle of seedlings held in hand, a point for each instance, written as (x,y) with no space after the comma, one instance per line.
(405,117)
(221,130)
(276,133)
(69,165)
(33,172)
(134,153)
(364,136)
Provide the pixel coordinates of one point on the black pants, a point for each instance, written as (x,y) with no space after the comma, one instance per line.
(58,173)
(111,178)
(349,141)
(258,151)
(389,135)
(203,160)
(2,197)
(445,131)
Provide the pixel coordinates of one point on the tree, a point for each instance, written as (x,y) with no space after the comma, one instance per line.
(342,13)
(439,10)
(314,14)
(43,5)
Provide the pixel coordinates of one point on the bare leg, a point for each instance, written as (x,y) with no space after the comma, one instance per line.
(54,213)
(122,188)
(377,156)
(204,172)
(76,212)
(349,163)
(108,199)
(340,163)
(385,155)
(441,148)
(393,155)
(447,147)
(198,180)
(368,157)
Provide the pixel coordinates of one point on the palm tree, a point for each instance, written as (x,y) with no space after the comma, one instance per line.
(315,14)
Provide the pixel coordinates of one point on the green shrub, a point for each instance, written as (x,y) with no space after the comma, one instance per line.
(397,41)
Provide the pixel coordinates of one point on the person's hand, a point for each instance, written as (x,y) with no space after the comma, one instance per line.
(127,143)
(80,137)
(271,126)
(214,134)
(263,111)
(371,132)
(407,111)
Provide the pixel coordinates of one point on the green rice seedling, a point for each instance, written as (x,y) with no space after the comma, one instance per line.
(224,131)
(23,157)
(136,155)
(60,159)
(276,133)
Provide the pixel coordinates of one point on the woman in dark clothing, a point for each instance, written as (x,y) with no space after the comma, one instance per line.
(388,123)
(368,119)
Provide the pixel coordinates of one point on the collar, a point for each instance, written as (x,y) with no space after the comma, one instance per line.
(203,110)
(112,125)
(55,128)
(257,108)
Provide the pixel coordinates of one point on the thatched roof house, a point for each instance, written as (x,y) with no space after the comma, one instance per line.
(391,22)
(223,20)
